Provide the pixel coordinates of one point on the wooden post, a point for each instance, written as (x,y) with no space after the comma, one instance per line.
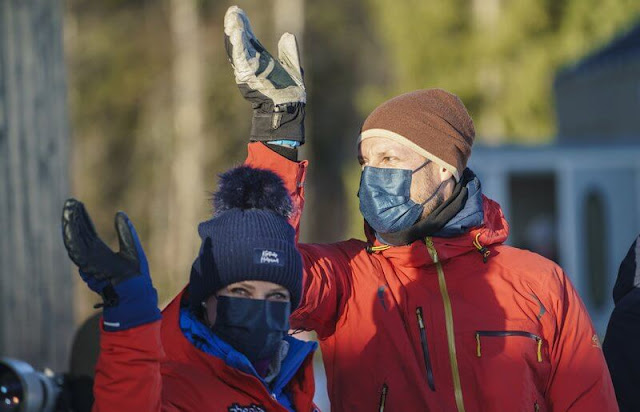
(35,277)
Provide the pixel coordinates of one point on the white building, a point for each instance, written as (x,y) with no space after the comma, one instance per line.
(578,201)
(576,204)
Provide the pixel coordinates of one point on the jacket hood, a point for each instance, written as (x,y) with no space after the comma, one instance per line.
(472,213)
(493,230)
(179,347)
(179,350)
(204,339)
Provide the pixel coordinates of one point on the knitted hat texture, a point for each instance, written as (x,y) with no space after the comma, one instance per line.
(248,238)
(432,122)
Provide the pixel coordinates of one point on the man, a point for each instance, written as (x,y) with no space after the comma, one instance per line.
(622,342)
(432,312)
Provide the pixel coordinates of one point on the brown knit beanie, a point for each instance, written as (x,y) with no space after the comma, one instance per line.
(432,122)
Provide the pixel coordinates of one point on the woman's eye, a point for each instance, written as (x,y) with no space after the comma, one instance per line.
(278,296)
(240,292)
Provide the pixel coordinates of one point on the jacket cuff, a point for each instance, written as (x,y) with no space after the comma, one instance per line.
(144,338)
(291,172)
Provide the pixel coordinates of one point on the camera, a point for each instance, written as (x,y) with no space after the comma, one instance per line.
(23,389)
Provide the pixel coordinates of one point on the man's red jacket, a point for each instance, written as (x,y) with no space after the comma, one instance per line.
(436,325)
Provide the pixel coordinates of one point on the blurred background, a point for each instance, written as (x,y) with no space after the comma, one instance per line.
(131,105)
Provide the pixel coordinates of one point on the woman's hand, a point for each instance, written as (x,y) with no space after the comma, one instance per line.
(122,278)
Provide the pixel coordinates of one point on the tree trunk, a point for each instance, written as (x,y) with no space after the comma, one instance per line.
(333,79)
(35,277)
(187,188)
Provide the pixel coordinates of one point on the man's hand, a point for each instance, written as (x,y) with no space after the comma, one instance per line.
(275,87)
(122,278)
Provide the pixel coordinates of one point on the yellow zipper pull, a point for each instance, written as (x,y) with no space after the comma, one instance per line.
(373,249)
(539,350)
(478,345)
(482,249)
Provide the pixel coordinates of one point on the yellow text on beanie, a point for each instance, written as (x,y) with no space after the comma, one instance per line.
(432,122)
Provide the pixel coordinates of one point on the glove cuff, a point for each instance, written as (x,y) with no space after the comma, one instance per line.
(277,125)
(137,305)
(290,153)
(143,317)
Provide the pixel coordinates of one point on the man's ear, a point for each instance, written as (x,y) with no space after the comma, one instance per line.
(444,174)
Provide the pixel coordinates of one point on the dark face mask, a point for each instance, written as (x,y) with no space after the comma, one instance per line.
(253,327)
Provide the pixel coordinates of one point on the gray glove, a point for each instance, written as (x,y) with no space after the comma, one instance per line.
(275,87)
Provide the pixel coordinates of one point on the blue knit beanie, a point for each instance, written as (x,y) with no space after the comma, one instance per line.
(248,238)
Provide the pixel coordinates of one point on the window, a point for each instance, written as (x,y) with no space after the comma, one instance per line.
(596,249)
(533,213)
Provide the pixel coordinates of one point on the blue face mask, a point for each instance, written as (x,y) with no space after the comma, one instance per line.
(385,199)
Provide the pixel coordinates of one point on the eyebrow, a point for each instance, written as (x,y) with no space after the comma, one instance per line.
(244,285)
(389,152)
(386,152)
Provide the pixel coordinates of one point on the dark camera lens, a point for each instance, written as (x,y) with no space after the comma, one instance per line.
(11,390)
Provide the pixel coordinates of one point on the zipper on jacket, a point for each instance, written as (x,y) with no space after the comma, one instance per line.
(505,333)
(383,397)
(448,316)
(425,349)
(536,406)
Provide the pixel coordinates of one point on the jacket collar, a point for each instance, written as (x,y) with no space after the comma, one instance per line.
(178,348)
(493,230)
(204,339)
(472,213)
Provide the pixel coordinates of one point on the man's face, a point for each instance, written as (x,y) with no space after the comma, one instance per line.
(382,152)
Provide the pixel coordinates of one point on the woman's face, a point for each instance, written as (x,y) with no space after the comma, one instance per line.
(248,289)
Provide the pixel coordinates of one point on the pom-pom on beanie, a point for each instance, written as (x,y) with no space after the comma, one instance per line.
(432,122)
(248,238)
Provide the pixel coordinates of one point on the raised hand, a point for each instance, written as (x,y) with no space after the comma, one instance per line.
(122,278)
(275,87)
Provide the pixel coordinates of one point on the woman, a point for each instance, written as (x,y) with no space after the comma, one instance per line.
(222,343)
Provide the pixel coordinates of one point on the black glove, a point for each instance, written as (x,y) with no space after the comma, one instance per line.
(275,87)
(122,279)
